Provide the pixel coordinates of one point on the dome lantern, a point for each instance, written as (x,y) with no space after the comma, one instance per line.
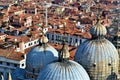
(98,31)
(64,54)
(43,42)
(44,39)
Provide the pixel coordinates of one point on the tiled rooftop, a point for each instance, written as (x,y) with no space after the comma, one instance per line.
(87,20)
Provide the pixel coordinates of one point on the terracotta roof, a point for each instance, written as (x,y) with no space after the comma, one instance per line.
(53,19)
(71,29)
(10,53)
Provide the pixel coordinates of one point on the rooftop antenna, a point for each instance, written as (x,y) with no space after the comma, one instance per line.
(98,9)
(47,5)
(91,3)
(98,14)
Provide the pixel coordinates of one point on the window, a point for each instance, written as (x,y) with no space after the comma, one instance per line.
(29,44)
(22,64)
(25,11)
(52,37)
(15,65)
(8,64)
(57,37)
(76,40)
(48,36)
(33,70)
(35,42)
(80,41)
(1,62)
(71,40)
(66,38)
(33,12)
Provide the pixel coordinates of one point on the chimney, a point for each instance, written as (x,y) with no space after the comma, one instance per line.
(22,47)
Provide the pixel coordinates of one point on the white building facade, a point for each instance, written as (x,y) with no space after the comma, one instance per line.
(71,40)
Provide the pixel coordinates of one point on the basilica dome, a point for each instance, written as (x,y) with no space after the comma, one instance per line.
(40,56)
(98,56)
(70,70)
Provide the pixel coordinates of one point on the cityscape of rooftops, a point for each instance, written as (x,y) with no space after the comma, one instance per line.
(59,39)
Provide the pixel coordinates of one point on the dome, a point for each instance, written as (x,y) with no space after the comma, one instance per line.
(39,57)
(98,56)
(69,70)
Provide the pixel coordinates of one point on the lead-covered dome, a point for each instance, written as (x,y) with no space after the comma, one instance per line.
(64,69)
(40,56)
(98,56)
(69,70)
